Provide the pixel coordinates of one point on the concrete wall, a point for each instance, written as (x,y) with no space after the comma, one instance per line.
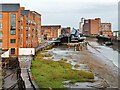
(52,31)
(25,61)
(26,51)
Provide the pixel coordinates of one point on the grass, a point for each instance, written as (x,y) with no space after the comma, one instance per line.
(77,65)
(49,73)
(63,60)
(47,55)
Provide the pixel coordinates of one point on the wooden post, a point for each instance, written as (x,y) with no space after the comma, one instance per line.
(75,48)
(81,47)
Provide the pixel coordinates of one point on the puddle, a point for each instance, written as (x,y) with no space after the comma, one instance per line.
(96,84)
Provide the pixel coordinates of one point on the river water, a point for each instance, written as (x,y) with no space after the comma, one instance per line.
(107,52)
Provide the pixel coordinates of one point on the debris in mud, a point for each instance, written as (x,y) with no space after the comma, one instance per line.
(102,85)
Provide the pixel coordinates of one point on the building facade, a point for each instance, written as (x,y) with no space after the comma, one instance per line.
(19,28)
(95,27)
(91,26)
(105,29)
(66,31)
(50,31)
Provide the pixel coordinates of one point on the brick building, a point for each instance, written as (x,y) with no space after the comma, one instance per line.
(50,31)
(105,29)
(91,26)
(19,28)
(66,30)
(95,27)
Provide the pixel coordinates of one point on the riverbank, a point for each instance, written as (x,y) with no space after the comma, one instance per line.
(49,73)
(103,68)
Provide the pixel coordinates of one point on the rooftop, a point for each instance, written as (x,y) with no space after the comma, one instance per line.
(9,7)
(50,25)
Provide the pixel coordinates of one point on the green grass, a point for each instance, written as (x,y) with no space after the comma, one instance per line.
(47,55)
(49,73)
(77,65)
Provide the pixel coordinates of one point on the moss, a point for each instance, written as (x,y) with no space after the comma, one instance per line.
(48,55)
(63,60)
(77,65)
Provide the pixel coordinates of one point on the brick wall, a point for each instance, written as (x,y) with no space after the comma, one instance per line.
(51,31)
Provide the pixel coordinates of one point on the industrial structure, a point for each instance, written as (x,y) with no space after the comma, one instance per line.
(95,27)
(66,30)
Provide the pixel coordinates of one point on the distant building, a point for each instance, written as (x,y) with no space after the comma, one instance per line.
(66,31)
(116,34)
(19,28)
(94,27)
(50,31)
(91,26)
(81,25)
(105,29)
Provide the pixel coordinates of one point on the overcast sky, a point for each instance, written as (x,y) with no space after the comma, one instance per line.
(70,12)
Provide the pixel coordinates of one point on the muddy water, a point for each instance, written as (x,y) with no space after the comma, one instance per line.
(107,52)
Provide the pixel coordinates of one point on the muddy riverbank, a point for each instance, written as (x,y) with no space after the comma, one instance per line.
(103,68)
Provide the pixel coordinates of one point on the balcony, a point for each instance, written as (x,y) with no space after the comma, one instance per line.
(19,36)
(27,28)
(33,29)
(20,28)
(33,23)
(20,19)
(33,35)
(28,21)
(27,35)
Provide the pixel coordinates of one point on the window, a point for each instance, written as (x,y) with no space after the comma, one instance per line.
(27,35)
(12,50)
(0,34)
(0,42)
(12,24)
(0,25)
(0,16)
(12,40)
(28,28)
(86,21)
(42,31)
(46,28)
(12,32)
(53,28)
